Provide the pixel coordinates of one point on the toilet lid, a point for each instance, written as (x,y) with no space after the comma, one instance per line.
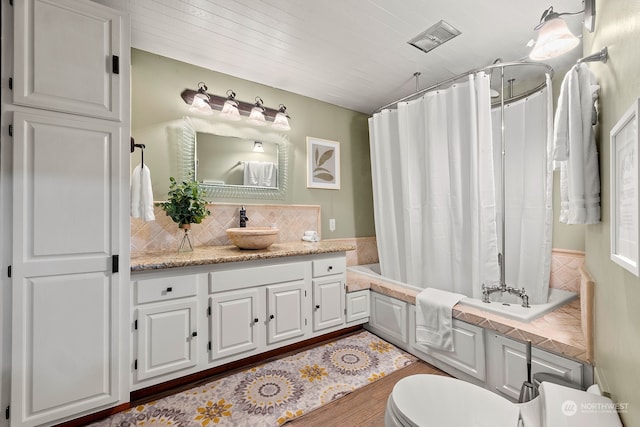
(434,400)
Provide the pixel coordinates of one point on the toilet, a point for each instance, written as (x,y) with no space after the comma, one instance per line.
(434,400)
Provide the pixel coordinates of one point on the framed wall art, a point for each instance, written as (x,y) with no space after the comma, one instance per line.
(323,164)
(625,236)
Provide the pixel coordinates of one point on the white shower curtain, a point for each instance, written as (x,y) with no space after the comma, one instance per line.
(528,190)
(434,189)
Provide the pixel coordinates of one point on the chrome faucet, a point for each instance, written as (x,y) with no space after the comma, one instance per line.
(243,217)
(502,287)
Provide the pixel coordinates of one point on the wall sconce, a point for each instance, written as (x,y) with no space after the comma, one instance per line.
(258,147)
(281,120)
(230,108)
(257,114)
(233,109)
(200,102)
(554,37)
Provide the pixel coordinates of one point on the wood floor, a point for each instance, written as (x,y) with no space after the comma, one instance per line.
(363,407)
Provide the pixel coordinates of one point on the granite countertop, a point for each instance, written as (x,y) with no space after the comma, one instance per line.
(559,331)
(204,255)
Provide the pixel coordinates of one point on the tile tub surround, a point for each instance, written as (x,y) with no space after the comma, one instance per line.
(164,235)
(565,269)
(559,332)
(144,261)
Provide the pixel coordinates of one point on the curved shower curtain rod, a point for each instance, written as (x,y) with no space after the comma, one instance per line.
(549,70)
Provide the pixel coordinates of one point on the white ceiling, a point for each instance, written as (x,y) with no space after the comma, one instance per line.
(351,53)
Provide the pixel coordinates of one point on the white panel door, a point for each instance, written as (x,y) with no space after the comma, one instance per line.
(468,343)
(328,302)
(66,354)
(285,311)
(64,55)
(389,317)
(167,337)
(509,365)
(235,322)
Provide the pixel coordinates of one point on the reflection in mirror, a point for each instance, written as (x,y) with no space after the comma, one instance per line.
(228,160)
(222,156)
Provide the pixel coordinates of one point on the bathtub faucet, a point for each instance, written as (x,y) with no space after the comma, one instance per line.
(502,287)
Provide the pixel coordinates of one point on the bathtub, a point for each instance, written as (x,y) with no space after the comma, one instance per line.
(509,306)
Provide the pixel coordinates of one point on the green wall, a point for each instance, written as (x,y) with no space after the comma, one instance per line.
(617,292)
(156,107)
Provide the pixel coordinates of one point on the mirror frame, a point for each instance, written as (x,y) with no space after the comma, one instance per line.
(192,125)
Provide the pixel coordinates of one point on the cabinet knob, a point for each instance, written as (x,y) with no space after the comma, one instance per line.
(194,334)
(169,289)
(272,317)
(330,268)
(255,320)
(317,306)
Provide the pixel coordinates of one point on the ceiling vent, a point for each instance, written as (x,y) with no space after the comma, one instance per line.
(434,36)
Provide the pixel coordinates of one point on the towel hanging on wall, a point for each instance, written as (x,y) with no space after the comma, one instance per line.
(141,191)
(575,153)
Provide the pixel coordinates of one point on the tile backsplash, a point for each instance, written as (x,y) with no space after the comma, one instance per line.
(164,234)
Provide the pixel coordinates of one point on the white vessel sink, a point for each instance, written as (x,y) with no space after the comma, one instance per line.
(253,237)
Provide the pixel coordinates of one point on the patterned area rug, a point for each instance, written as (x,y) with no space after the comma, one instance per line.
(275,392)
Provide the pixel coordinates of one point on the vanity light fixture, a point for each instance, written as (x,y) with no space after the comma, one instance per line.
(258,147)
(230,108)
(257,114)
(554,36)
(281,121)
(200,101)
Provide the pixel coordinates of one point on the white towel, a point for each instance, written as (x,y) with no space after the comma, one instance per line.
(575,152)
(142,194)
(434,321)
(269,175)
(262,174)
(252,173)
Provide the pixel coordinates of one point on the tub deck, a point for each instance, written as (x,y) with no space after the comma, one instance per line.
(560,331)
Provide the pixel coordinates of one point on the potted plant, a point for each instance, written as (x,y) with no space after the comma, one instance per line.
(185,206)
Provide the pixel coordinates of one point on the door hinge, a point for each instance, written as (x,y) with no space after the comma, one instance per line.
(209,346)
(135,364)
(209,311)
(135,324)
(9,271)
(115,64)
(10,130)
(115,265)
(305,322)
(7,412)
(10,83)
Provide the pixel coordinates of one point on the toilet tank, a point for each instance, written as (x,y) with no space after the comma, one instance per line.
(568,407)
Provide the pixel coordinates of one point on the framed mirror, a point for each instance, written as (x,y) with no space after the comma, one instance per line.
(227,160)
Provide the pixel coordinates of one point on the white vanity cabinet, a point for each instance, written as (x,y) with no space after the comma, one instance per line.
(165,326)
(508,365)
(71,56)
(329,290)
(257,307)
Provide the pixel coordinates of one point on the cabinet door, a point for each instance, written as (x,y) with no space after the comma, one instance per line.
(67,293)
(468,344)
(328,302)
(234,322)
(358,305)
(65,54)
(285,311)
(509,365)
(389,318)
(167,337)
